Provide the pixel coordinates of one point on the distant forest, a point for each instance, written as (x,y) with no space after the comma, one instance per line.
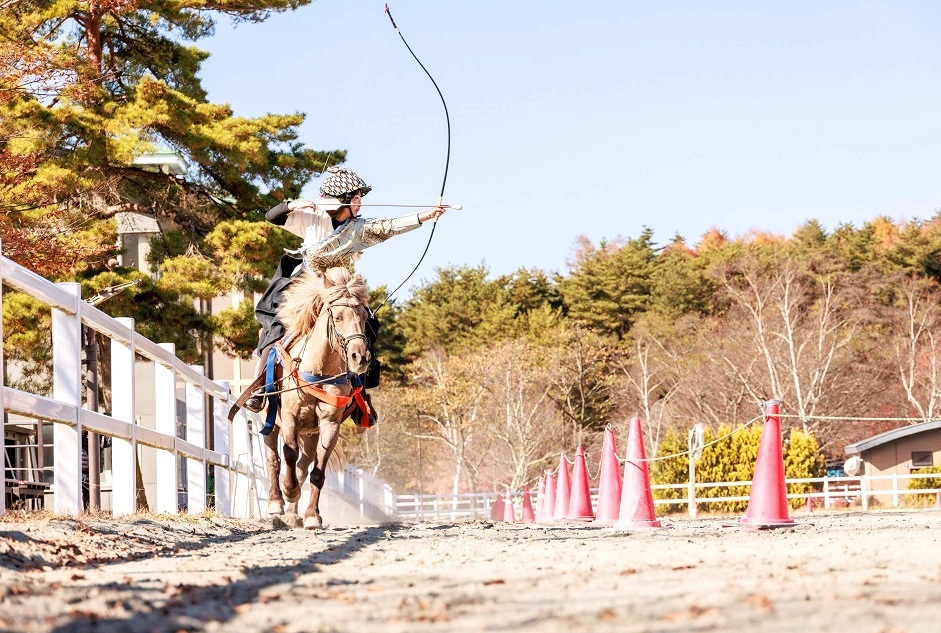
(487,379)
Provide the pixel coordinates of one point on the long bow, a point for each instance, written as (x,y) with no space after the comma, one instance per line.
(447,162)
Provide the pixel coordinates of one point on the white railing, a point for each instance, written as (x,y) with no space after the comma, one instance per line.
(232,453)
(373,498)
(828,490)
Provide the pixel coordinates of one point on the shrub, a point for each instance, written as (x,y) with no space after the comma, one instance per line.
(732,458)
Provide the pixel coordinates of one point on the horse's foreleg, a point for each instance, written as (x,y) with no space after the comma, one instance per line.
(292,488)
(326,440)
(273,462)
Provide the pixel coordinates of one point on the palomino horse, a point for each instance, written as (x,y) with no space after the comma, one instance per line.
(325,317)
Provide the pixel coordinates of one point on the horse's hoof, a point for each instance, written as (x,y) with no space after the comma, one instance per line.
(275,507)
(313,523)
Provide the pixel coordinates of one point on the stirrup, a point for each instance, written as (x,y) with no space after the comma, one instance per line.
(256,403)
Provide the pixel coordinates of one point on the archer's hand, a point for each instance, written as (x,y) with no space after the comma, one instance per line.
(294,205)
(433,214)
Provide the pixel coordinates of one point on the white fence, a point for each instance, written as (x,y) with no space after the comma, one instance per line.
(236,455)
(828,492)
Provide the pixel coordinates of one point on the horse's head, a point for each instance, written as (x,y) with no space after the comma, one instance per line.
(343,302)
(333,304)
(346,332)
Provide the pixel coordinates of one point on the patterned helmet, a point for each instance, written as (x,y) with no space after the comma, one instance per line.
(342,181)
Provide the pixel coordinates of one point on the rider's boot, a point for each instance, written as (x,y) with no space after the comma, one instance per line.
(256,402)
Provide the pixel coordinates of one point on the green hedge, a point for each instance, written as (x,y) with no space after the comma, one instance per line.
(732,459)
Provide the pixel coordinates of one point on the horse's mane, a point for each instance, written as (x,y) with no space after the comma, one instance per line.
(306,296)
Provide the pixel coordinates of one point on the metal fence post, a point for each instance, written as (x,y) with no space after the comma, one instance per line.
(66,388)
(123,452)
(196,435)
(166,461)
(222,444)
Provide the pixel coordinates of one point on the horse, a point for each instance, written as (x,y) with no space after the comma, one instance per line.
(325,321)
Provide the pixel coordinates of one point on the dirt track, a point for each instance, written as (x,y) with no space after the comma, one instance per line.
(878,572)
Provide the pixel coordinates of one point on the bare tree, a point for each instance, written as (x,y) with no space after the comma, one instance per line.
(448,400)
(918,346)
(524,417)
(799,326)
(653,372)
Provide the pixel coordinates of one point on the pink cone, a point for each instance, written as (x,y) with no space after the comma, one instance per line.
(637,507)
(767,501)
(563,490)
(580,501)
(609,484)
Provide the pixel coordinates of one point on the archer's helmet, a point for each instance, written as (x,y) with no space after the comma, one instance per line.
(341,182)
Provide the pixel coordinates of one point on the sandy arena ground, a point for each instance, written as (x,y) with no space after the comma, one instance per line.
(837,572)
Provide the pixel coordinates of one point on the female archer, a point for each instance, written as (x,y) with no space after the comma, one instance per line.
(333,236)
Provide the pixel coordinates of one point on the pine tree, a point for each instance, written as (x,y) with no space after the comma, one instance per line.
(89,87)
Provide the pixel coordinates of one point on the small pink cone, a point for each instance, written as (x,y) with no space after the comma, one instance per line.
(563,490)
(526,514)
(810,505)
(609,485)
(937,503)
(580,501)
(637,507)
(767,501)
(547,514)
(509,513)
(540,499)
(496,512)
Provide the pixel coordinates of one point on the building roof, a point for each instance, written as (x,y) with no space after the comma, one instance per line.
(890,436)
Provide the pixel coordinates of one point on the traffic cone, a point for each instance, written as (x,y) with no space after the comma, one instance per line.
(526,514)
(767,501)
(509,513)
(548,513)
(810,505)
(496,512)
(937,503)
(637,507)
(580,501)
(609,484)
(540,498)
(563,490)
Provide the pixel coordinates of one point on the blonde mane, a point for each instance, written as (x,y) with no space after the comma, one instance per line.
(306,296)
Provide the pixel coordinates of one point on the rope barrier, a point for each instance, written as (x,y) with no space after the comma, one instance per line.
(855,418)
(687,453)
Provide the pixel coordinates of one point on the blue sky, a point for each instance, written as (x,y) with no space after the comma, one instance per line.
(600,118)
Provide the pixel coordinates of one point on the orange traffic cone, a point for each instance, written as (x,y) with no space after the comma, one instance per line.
(609,484)
(637,508)
(540,498)
(509,513)
(496,512)
(563,490)
(526,514)
(548,512)
(580,501)
(767,502)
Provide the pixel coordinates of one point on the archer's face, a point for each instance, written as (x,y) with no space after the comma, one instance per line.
(350,210)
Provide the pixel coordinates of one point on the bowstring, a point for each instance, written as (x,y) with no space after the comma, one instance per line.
(447,161)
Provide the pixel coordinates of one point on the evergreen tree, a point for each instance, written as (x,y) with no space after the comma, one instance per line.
(609,287)
(88,88)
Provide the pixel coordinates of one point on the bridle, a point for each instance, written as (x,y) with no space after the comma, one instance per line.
(334,337)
